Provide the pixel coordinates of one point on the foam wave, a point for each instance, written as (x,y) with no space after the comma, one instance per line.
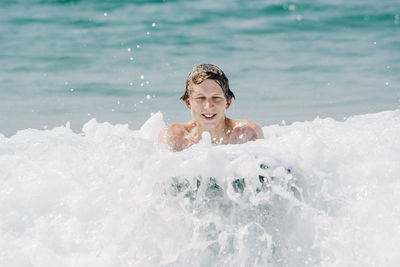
(110,196)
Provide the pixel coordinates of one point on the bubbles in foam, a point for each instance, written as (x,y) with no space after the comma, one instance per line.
(206,138)
(320,193)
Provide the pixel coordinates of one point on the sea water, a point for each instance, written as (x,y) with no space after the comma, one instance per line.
(118,61)
(111,196)
(83,182)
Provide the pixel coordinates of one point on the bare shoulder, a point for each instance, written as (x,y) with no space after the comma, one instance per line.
(174,136)
(250,129)
(171,133)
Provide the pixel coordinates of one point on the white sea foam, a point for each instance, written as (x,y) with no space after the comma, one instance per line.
(110,196)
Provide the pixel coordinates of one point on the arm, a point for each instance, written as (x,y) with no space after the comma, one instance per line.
(258,131)
(251,131)
(172,135)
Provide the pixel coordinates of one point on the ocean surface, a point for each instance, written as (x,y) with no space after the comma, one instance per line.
(119,61)
(83,182)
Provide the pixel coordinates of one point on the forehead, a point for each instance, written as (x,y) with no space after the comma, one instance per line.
(207,87)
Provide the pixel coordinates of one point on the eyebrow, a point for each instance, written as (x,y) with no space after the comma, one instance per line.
(201,94)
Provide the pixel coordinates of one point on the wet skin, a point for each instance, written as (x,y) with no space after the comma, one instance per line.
(208,104)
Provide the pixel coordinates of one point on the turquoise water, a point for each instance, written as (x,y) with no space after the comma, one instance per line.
(98,196)
(119,61)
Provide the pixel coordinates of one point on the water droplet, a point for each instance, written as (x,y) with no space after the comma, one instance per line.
(387,83)
(137,46)
(147,82)
(148,33)
(72,89)
(130,84)
(153,24)
(131,58)
(206,138)
(105,14)
(148,97)
(89,114)
(118,102)
(129,49)
(141,101)
(374,43)
(292,7)
(142,84)
(112,110)
(141,77)
(44,126)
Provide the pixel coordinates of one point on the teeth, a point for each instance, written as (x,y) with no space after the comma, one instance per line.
(208,116)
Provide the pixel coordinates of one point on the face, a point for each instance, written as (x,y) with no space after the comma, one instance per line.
(208,104)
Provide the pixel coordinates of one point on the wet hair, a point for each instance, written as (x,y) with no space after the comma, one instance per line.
(203,72)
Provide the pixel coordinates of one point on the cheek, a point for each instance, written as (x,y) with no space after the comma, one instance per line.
(194,108)
(223,105)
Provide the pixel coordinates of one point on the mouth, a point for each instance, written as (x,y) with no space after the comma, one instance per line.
(208,116)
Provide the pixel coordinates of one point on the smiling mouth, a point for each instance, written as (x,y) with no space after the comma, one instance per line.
(208,116)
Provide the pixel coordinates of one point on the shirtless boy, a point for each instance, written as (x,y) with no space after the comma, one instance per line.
(208,95)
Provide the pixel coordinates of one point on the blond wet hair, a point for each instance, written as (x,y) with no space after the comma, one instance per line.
(203,72)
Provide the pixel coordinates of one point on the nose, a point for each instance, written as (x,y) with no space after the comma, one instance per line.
(208,104)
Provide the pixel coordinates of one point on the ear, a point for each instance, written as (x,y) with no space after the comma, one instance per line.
(228,103)
(187,102)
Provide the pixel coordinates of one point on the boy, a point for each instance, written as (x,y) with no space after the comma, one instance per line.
(208,95)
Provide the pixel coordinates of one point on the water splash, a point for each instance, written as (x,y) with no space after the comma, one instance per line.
(312,193)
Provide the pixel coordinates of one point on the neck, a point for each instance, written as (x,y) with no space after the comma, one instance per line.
(218,133)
